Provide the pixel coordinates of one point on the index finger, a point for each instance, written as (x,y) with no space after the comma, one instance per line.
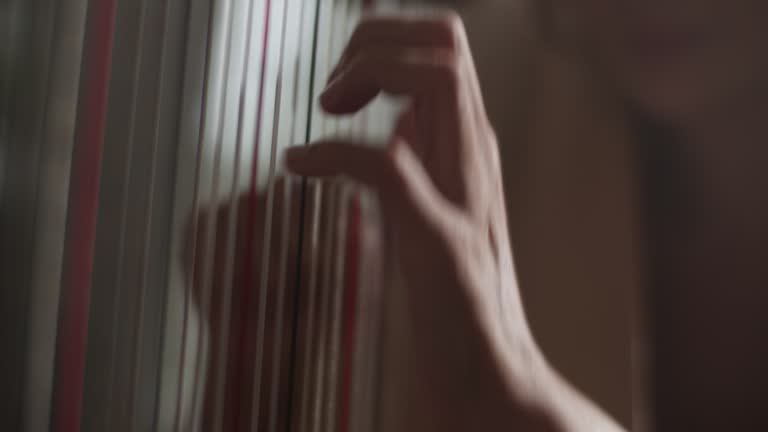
(394,172)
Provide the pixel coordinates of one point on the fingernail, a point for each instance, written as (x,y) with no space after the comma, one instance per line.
(335,72)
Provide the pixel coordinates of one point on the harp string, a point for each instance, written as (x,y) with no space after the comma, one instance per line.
(211,228)
(195,219)
(220,377)
(314,226)
(336,307)
(341,256)
(332,263)
(350,350)
(297,300)
(138,345)
(82,216)
(126,175)
(267,239)
(362,317)
(327,270)
(325,207)
(45,288)
(343,127)
(250,223)
(328,209)
(285,238)
(312,195)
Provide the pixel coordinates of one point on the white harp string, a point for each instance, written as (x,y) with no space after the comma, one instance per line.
(220,376)
(206,280)
(315,195)
(141,314)
(282,286)
(267,238)
(178,422)
(329,208)
(340,256)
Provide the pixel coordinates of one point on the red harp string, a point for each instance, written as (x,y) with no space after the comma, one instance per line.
(81,230)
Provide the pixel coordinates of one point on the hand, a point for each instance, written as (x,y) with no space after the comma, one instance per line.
(439,182)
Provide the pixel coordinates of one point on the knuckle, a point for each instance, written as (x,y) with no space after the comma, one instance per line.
(396,169)
(452,26)
(393,161)
(450,21)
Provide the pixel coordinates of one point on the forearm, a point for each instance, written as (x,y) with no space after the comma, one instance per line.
(570,411)
(522,391)
(546,402)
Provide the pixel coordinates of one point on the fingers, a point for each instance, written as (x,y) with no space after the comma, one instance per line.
(443,31)
(381,41)
(407,127)
(438,30)
(427,60)
(395,173)
(438,40)
(328,159)
(420,74)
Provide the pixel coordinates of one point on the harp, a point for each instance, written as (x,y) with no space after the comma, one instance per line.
(160,272)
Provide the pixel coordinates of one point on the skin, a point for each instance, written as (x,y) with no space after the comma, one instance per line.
(697,66)
(439,183)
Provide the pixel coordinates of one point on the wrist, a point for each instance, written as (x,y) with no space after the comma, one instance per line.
(517,392)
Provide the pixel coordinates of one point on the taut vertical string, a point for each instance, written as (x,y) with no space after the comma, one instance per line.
(220,375)
(285,239)
(330,207)
(304,414)
(267,238)
(248,275)
(148,227)
(211,228)
(194,223)
(126,176)
(82,216)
